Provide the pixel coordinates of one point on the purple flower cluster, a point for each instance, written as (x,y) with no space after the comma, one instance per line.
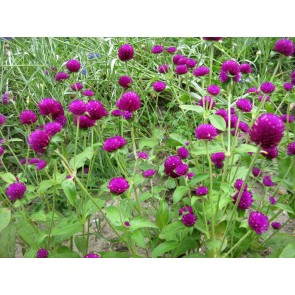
(245,68)
(42,253)
(88,92)
(174,167)
(149,173)
(77,86)
(258,222)
(267,181)
(2,119)
(291,149)
(206,132)
(270,153)
(157,49)
(288,86)
(118,185)
(244,105)
(159,86)
(217,159)
(189,219)
(114,143)
(142,155)
(183,153)
(50,107)
(171,49)
(201,71)
(163,69)
(129,101)
(125,81)
(285,47)
(40,164)
(267,87)
(202,191)
(61,76)
(92,255)
(126,52)
(39,140)
(28,117)
(73,65)
(256,171)
(230,69)
(275,225)
(181,69)
(16,191)
(246,199)
(213,90)
(287,118)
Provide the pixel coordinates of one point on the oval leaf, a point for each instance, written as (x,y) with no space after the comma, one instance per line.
(218,122)
(164,248)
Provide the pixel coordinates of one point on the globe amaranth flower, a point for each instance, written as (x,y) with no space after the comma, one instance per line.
(208,102)
(287,118)
(230,69)
(267,87)
(239,183)
(88,92)
(183,153)
(291,149)
(125,81)
(275,225)
(285,47)
(157,49)
(92,255)
(116,113)
(2,119)
(95,109)
(233,121)
(223,114)
(2,150)
(267,181)
(126,52)
(118,185)
(129,101)
(267,131)
(181,69)
(253,90)
(270,153)
(171,163)
(52,128)
(73,65)
(23,161)
(246,199)
(244,105)
(216,39)
(191,63)
(176,58)
(127,115)
(62,120)
(42,253)
(28,117)
(50,106)
(142,155)
(244,127)
(213,90)
(288,86)
(41,165)
(190,175)
(163,69)
(272,200)
(84,121)
(149,173)
(5,98)
(16,191)
(77,107)
(185,210)
(39,140)
(201,71)
(189,219)
(258,222)
(206,131)
(181,169)
(61,76)
(217,157)
(256,171)
(245,68)
(127,223)
(114,143)
(77,86)
(159,86)
(218,165)
(202,191)
(171,49)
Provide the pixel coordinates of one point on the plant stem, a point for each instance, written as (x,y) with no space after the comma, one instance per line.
(237,244)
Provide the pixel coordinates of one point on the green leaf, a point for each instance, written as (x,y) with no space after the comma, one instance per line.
(186,244)
(195,255)
(147,142)
(284,207)
(194,108)
(44,185)
(80,242)
(7,177)
(90,208)
(64,252)
(38,216)
(170,231)
(115,255)
(163,215)
(198,178)
(224,200)
(82,158)
(164,248)
(218,122)
(7,241)
(179,193)
(15,140)
(178,138)
(67,228)
(246,148)
(69,189)
(114,215)
(138,237)
(199,225)
(5,216)
(144,196)
(140,223)
(288,251)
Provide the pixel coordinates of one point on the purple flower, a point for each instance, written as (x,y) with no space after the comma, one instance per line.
(272,200)
(244,105)
(23,161)
(116,113)
(213,90)
(114,143)
(190,175)
(2,119)
(60,76)
(171,50)
(183,153)
(127,115)
(34,161)
(62,120)
(285,47)
(77,86)
(230,67)
(288,86)
(170,165)
(129,101)
(243,126)
(16,191)
(189,219)
(73,65)
(92,255)
(95,109)
(181,69)
(163,69)
(159,86)
(256,171)
(218,165)
(149,173)
(127,223)
(84,121)
(142,155)
(206,131)
(27,117)
(202,191)
(38,141)
(176,58)
(157,49)
(212,38)
(88,92)
(267,131)
(258,222)
(118,185)
(270,153)
(275,225)
(49,106)
(5,98)
(291,148)
(125,81)
(253,90)
(77,107)
(41,165)
(181,169)
(42,253)
(223,77)
(267,87)
(208,102)
(287,118)
(246,200)
(267,181)
(2,150)
(126,52)
(245,68)
(52,128)
(223,114)
(186,209)
(218,157)
(191,63)
(239,183)
(201,71)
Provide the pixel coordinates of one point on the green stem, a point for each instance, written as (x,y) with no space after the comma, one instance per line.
(237,244)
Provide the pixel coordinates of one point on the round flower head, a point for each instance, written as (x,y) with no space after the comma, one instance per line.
(191,63)
(218,157)
(218,165)
(34,161)
(2,119)
(287,118)
(181,69)
(285,47)
(62,120)
(42,253)
(95,109)
(258,222)
(202,191)
(223,77)
(256,171)
(77,107)
(189,219)
(239,183)
(118,185)
(264,97)
(163,69)
(183,153)
(157,49)
(243,126)
(116,113)
(216,39)
(272,200)
(2,150)
(181,169)
(190,175)
(176,58)
(213,90)
(129,101)
(275,225)
(230,67)
(288,86)
(159,86)
(114,143)
(292,76)
(245,68)
(185,210)
(16,191)
(77,86)
(244,105)
(88,92)
(253,90)
(60,76)
(270,153)
(127,223)
(23,161)
(49,106)
(223,114)
(267,87)
(27,117)
(267,181)
(92,255)
(208,102)
(148,173)
(246,200)
(38,141)
(125,81)
(267,131)
(171,49)
(206,131)
(73,65)
(126,52)
(41,165)
(291,149)
(142,155)
(170,165)
(127,115)
(201,71)
(5,98)
(84,121)
(233,121)
(52,128)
